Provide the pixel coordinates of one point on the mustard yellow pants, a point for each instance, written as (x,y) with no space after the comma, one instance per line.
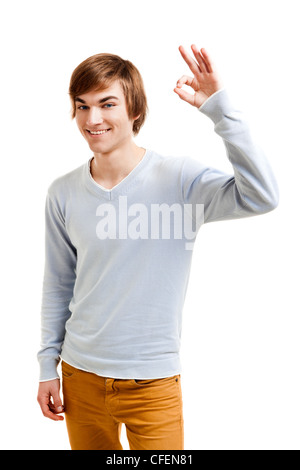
(96,407)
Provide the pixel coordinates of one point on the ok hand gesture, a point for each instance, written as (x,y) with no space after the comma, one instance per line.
(205,81)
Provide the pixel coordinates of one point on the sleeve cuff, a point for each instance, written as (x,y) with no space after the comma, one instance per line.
(48,369)
(217,106)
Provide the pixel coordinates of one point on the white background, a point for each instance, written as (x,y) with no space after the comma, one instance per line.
(240,345)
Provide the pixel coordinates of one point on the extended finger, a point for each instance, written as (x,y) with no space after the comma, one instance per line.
(209,64)
(200,59)
(190,61)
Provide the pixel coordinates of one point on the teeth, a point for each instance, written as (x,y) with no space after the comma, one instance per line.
(99,132)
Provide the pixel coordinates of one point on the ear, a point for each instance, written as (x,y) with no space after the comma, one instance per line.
(136,117)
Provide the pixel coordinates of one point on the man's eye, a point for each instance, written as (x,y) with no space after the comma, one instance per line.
(82,107)
(109,105)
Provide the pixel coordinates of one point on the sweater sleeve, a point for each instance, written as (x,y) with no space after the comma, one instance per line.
(58,284)
(251,189)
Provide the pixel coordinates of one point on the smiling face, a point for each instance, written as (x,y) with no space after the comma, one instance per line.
(103,120)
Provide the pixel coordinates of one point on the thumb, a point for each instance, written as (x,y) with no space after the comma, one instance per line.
(184,95)
(57,403)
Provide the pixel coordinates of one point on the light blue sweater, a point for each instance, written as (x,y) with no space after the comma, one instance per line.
(117,261)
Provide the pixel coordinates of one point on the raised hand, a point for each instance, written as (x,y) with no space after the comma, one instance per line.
(205,81)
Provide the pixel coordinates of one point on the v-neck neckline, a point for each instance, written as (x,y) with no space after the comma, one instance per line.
(122,185)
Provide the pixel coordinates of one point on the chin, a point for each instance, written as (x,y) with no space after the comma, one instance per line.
(101,149)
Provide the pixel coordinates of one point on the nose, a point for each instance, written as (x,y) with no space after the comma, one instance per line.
(94,116)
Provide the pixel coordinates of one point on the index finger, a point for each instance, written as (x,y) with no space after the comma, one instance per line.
(45,405)
(46,410)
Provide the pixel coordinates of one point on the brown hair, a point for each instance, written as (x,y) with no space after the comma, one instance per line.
(99,71)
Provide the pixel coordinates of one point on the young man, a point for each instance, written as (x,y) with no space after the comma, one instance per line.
(119,239)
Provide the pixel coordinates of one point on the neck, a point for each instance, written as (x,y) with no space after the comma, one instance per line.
(109,169)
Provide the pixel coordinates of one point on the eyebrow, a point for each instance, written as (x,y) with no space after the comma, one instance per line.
(100,101)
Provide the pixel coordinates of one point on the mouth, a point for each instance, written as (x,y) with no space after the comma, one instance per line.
(98,132)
